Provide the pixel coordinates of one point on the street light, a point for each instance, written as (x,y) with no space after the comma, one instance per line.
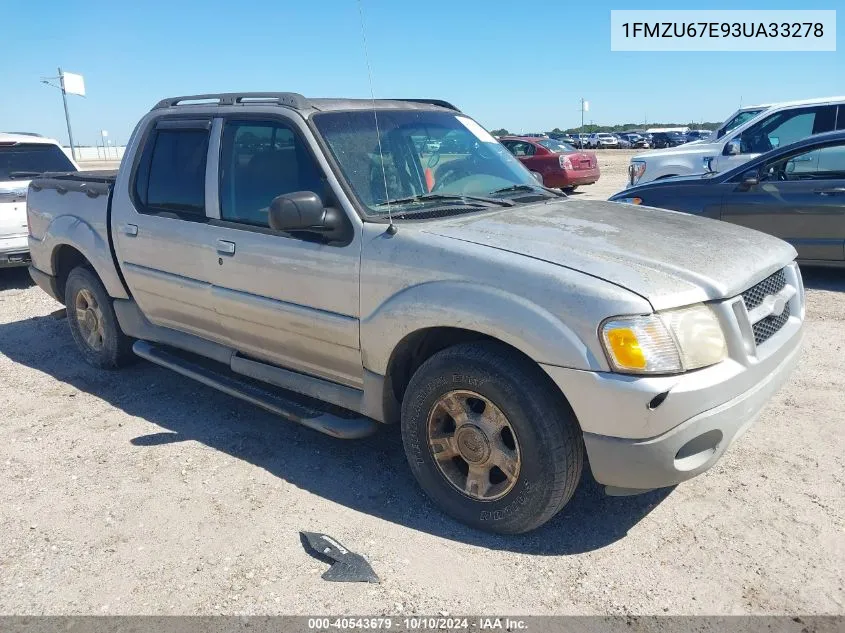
(69,83)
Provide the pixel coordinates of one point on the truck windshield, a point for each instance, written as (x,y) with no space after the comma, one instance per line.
(422,152)
(738,119)
(22,160)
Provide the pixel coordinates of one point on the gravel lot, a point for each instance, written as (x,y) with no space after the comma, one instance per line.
(141,492)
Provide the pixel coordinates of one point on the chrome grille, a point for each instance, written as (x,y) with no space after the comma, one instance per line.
(766,327)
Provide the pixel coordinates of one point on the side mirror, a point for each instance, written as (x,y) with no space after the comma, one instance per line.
(733,147)
(304,211)
(751,178)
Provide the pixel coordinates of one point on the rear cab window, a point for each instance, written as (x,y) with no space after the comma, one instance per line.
(785,127)
(171,174)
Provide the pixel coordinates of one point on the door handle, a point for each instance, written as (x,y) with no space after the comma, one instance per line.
(130,229)
(225,247)
(833,191)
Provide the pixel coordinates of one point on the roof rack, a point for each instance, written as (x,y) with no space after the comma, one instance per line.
(290,99)
(437,102)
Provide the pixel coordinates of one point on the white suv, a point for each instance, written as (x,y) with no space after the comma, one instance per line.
(22,157)
(747,133)
(603,140)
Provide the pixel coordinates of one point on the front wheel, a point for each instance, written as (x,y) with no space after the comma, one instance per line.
(490,439)
(93,323)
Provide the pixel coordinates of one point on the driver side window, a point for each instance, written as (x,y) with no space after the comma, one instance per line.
(783,128)
(825,163)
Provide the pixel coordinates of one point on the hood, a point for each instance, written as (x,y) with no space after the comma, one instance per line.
(696,147)
(669,181)
(669,258)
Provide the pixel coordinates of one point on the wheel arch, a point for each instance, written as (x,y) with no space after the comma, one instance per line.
(423,320)
(71,239)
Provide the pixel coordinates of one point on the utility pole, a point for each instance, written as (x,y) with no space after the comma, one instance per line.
(67,115)
(582,115)
(77,87)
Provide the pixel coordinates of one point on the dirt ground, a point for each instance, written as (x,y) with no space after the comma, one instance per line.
(141,492)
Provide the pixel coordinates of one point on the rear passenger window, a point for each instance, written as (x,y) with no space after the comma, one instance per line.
(260,161)
(171,173)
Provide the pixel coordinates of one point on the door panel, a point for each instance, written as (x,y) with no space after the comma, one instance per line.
(801,198)
(290,302)
(160,230)
(280,298)
(795,212)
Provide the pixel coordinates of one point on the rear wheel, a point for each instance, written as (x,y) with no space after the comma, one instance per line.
(569,189)
(93,323)
(490,439)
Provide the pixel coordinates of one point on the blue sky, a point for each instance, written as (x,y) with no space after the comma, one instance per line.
(519,65)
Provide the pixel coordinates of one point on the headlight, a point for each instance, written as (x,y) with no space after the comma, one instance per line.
(636,170)
(633,200)
(666,342)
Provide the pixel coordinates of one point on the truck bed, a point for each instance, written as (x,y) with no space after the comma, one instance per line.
(83,181)
(62,203)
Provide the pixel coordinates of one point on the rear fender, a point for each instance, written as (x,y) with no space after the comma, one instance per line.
(72,231)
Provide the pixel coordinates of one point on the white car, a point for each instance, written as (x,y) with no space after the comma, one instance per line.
(747,133)
(603,140)
(22,157)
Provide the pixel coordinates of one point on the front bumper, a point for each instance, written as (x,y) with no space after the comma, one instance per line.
(687,450)
(644,432)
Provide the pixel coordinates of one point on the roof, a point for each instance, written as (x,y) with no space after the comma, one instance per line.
(9,138)
(297,101)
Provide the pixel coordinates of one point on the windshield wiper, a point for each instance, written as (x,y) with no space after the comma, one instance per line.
(23,174)
(444,196)
(514,188)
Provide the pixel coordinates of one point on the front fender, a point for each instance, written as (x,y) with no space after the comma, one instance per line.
(514,320)
(69,230)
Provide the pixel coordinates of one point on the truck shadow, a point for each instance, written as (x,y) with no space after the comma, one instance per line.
(15,278)
(367,475)
(818,278)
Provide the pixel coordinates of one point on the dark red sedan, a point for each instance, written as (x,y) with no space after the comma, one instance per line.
(560,165)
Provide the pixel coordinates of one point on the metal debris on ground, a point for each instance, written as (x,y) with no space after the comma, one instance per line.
(346,566)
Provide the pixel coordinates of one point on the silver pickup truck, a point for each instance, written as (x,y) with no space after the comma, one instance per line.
(352,263)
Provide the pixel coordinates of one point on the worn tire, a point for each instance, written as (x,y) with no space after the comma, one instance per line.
(115,350)
(548,435)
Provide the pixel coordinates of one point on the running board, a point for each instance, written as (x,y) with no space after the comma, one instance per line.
(345,428)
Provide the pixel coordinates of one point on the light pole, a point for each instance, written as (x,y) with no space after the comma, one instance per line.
(78,88)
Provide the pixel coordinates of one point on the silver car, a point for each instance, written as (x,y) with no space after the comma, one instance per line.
(292,251)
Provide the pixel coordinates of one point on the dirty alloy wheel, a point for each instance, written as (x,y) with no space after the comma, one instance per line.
(490,439)
(473,445)
(93,323)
